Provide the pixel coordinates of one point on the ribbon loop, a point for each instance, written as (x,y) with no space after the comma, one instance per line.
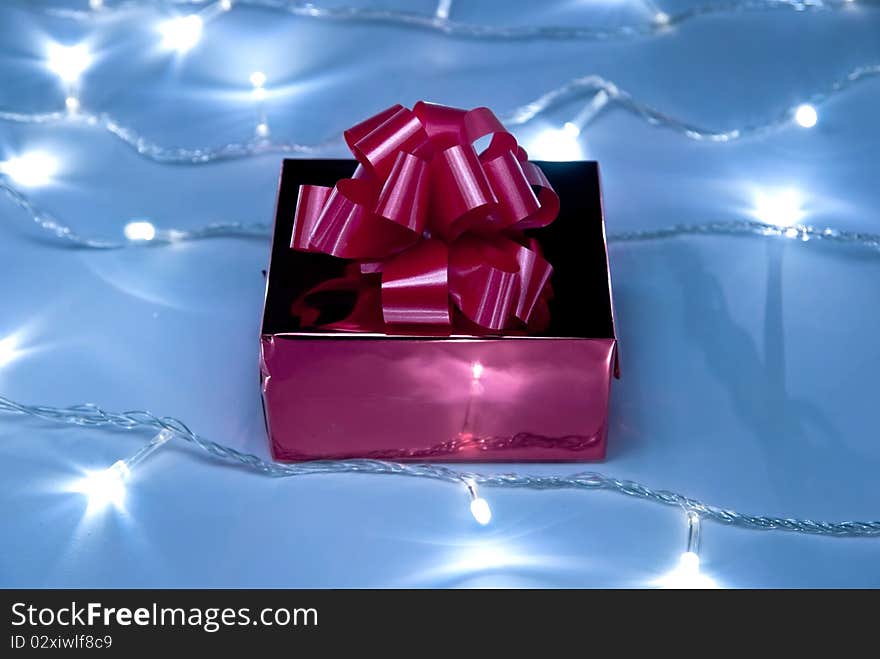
(415,287)
(431,226)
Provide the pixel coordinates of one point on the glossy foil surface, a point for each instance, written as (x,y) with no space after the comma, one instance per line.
(507,397)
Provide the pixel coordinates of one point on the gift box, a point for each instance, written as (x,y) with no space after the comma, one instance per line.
(332,394)
(464,323)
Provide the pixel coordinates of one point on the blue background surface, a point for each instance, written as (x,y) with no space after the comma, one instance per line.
(749,364)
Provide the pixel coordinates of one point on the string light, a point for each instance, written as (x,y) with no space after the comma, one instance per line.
(443,9)
(96,417)
(250,230)
(258,81)
(687,574)
(479,506)
(31,169)
(586,114)
(557,144)
(781,210)
(438,20)
(181,33)
(68,62)
(554,144)
(806,116)
(108,487)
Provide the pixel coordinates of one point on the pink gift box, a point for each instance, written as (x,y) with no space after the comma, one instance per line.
(514,398)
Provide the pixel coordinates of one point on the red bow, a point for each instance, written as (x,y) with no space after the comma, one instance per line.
(432,221)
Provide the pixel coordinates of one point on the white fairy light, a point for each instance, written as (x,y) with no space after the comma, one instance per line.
(181,33)
(479,506)
(108,487)
(806,116)
(443,9)
(556,144)
(68,62)
(781,208)
(263,129)
(31,169)
(687,573)
(139,230)
(481,511)
(571,128)
(72,104)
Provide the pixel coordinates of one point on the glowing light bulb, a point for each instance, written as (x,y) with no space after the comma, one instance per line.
(477,370)
(687,574)
(806,116)
(481,511)
(556,144)
(68,62)
(108,487)
(479,506)
(181,33)
(105,488)
(263,129)
(443,9)
(571,128)
(782,208)
(31,169)
(140,230)
(258,79)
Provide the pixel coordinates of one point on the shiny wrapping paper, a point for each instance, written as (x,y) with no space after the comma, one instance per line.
(528,395)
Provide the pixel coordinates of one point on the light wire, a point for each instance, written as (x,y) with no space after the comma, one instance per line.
(64,235)
(90,415)
(449,27)
(582,88)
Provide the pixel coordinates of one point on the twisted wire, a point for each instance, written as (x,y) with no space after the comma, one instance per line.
(573,90)
(591,84)
(64,235)
(90,415)
(449,27)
